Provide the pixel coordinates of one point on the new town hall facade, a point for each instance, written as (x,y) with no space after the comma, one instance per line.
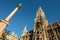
(42,30)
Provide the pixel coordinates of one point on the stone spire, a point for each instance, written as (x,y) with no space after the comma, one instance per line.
(24,31)
(40,24)
(40,12)
(40,16)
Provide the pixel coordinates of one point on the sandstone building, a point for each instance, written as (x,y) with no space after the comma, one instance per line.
(42,30)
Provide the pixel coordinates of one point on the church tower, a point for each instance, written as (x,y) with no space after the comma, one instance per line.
(40,24)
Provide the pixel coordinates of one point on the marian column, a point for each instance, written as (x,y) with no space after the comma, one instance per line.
(5,22)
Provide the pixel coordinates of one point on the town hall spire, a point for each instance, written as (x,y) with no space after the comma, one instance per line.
(40,23)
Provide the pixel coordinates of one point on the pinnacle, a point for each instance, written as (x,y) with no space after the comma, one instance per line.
(24,31)
(40,8)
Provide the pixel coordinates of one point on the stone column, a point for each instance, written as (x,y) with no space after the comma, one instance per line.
(5,22)
(13,12)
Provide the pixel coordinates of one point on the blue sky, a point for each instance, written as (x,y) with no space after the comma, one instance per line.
(26,14)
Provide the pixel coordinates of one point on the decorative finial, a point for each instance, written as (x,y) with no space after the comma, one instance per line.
(19,5)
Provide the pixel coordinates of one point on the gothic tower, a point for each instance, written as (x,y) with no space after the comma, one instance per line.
(40,24)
